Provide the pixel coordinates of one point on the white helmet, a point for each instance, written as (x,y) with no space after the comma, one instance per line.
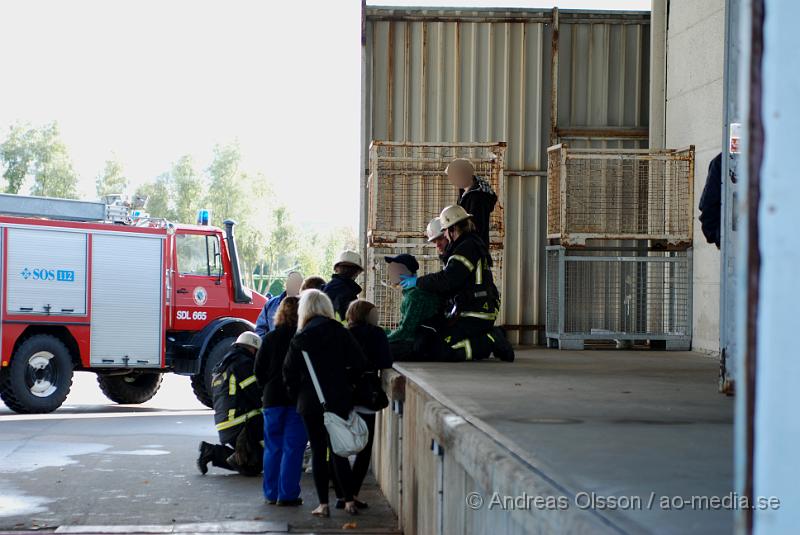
(349,257)
(452,215)
(249,339)
(434,229)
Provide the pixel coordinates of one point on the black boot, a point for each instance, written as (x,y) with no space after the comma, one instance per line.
(206,453)
(501,348)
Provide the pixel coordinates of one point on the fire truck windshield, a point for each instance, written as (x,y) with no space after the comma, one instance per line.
(198,254)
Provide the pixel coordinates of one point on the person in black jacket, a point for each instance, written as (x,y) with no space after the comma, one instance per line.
(236,412)
(362,321)
(711,202)
(475,195)
(466,280)
(284,434)
(338,361)
(342,289)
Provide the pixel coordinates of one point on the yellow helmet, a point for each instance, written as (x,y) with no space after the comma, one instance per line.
(434,229)
(452,215)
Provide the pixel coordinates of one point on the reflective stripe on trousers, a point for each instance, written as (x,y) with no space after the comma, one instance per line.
(466,345)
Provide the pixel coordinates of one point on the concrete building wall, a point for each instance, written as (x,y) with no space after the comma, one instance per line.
(694,86)
(482,75)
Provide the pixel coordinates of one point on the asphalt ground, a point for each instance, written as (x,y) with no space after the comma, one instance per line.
(95,463)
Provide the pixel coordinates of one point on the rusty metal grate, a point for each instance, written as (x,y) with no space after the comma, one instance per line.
(619,194)
(628,294)
(407,186)
(388,299)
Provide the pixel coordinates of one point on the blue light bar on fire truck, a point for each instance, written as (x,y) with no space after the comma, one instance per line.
(203,217)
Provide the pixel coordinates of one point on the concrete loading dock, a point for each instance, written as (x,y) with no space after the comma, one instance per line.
(602,438)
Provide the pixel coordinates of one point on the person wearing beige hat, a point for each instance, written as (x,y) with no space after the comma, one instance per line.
(342,288)
(475,194)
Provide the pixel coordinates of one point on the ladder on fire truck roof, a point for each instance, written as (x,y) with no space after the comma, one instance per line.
(115,209)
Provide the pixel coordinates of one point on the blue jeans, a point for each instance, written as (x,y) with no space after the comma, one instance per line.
(284,443)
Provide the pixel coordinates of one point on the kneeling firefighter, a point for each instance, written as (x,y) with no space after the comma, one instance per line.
(467,282)
(237,412)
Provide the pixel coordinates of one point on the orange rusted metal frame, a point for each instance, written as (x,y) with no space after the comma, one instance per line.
(572,239)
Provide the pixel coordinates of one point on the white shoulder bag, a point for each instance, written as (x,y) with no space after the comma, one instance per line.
(348,437)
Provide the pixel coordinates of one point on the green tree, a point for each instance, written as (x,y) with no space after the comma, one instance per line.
(38,154)
(111,179)
(334,243)
(176,195)
(269,243)
(187,190)
(280,252)
(309,255)
(227,197)
(158,199)
(17,155)
(235,194)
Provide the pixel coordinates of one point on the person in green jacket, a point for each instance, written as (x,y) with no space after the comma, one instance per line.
(415,335)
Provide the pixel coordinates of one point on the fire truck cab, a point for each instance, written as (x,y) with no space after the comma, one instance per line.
(91,286)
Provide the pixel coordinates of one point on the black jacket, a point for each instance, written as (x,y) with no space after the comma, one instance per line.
(337,359)
(479,200)
(466,278)
(342,292)
(234,388)
(711,202)
(375,344)
(269,366)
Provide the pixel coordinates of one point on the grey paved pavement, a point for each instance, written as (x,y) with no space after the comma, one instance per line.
(96,463)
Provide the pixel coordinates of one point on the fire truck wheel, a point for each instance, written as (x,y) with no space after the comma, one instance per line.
(201,383)
(136,387)
(39,376)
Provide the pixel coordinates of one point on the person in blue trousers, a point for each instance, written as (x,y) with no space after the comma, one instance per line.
(284,434)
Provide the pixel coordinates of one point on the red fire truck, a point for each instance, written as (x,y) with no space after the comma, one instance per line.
(92,287)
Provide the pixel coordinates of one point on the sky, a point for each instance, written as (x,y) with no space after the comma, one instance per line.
(151,80)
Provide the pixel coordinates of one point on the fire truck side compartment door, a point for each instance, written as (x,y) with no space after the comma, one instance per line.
(46,272)
(127,300)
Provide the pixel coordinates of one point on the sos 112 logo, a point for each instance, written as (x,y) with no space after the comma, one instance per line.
(43,274)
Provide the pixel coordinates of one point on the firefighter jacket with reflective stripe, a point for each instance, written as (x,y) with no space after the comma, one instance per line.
(235,393)
(466,279)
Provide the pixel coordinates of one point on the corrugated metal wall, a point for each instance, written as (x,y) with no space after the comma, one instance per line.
(478,75)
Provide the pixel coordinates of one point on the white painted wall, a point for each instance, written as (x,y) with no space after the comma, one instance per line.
(695,61)
(777,428)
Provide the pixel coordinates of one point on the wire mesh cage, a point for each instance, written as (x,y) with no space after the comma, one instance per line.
(618,294)
(386,297)
(620,194)
(407,185)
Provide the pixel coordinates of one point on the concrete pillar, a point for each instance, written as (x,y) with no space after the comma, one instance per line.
(658,73)
(776,468)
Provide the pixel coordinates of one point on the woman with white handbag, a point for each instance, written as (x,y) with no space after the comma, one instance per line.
(322,364)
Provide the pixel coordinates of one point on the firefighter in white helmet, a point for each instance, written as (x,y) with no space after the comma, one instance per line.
(435,235)
(237,411)
(467,281)
(343,288)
